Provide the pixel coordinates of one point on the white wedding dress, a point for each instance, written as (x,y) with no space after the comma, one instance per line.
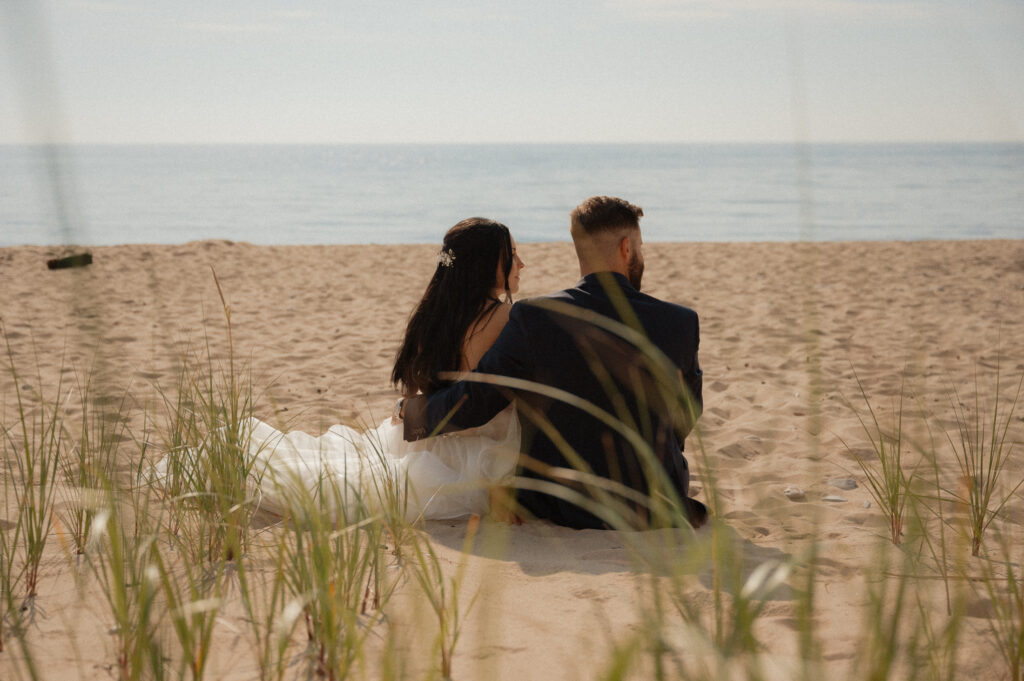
(442,477)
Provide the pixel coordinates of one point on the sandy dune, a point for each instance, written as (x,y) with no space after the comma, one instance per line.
(784,328)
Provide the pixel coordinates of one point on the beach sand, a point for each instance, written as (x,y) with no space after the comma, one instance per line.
(786,331)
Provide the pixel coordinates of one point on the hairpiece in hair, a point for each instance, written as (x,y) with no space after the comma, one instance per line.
(446,258)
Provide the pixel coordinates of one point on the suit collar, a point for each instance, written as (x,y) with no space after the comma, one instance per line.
(596,281)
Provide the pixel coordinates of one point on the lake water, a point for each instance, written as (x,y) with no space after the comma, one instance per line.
(346,194)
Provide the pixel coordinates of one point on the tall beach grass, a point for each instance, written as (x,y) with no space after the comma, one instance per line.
(177,553)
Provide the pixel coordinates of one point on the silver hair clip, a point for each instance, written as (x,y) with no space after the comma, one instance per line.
(445,258)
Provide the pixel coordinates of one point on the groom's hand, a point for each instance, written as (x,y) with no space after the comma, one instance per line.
(414,420)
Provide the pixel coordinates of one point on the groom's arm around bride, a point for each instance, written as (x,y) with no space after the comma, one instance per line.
(606,343)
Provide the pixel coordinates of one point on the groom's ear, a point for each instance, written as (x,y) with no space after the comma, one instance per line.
(625,248)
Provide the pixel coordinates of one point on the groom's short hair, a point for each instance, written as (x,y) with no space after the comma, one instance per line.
(601,214)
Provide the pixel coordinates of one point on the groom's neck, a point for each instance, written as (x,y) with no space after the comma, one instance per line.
(592,267)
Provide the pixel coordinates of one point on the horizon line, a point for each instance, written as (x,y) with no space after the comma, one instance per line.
(508,143)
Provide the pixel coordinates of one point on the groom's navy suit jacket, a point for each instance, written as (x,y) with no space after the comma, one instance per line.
(552,340)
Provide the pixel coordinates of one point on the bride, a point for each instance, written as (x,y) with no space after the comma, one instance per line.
(461,313)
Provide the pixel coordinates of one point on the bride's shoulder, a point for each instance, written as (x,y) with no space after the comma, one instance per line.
(491,322)
(483,334)
(501,313)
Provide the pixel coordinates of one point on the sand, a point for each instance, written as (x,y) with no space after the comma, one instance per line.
(786,329)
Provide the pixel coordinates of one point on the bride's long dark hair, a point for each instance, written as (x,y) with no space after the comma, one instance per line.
(459,293)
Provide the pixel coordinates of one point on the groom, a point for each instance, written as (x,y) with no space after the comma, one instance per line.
(630,355)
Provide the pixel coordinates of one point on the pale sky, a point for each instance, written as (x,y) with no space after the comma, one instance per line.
(323,71)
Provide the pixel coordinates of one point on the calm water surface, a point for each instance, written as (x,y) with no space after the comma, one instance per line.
(413,193)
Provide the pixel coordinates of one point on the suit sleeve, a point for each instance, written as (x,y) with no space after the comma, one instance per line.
(470,403)
(694,377)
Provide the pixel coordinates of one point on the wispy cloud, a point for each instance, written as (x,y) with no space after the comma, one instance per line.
(227,27)
(294,14)
(723,9)
(206,20)
(103,6)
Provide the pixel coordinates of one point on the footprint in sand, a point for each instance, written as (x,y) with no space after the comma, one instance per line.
(490,651)
(738,450)
(590,595)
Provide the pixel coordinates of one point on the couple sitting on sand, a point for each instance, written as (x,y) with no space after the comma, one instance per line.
(584,396)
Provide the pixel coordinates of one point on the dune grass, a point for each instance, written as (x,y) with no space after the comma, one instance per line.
(210,466)
(32,450)
(193,595)
(121,562)
(172,550)
(329,567)
(92,459)
(271,616)
(1002,584)
(982,447)
(889,481)
(10,570)
(442,593)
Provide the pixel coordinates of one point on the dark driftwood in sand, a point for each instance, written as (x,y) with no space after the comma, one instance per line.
(77,260)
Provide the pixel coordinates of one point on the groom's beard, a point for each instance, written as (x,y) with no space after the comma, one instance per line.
(636,269)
